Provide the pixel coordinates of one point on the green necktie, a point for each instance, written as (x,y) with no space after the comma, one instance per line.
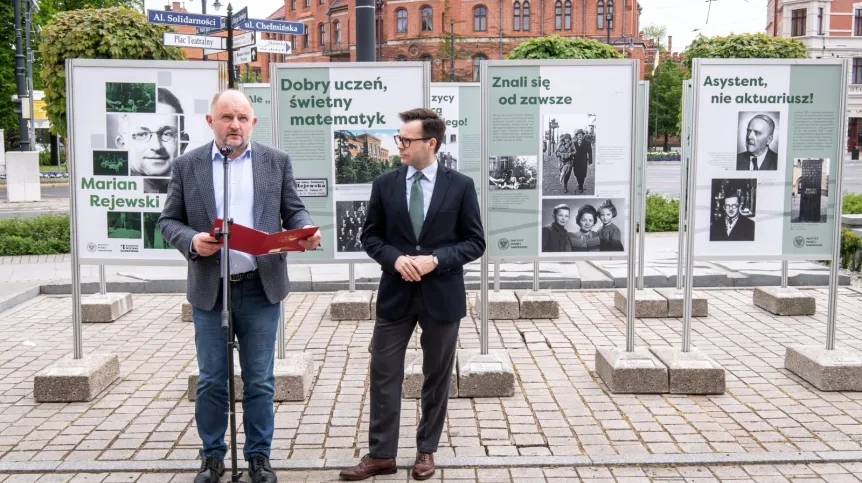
(417,204)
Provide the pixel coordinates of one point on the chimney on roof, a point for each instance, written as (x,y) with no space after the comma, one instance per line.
(670,43)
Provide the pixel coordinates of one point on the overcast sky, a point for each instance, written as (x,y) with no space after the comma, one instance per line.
(681,17)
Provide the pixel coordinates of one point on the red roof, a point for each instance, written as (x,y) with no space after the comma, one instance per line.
(278,15)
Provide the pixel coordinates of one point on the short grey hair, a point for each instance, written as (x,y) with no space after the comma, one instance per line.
(218,95)
(768,120)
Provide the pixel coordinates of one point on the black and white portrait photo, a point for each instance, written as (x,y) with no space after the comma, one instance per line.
(569,154)
(512,172)
(732,209)
(757,141)
(349,218)
(152,140)
(577,225)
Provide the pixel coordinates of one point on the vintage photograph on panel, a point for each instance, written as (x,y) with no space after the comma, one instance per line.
(569,154)
(130,97)
(349,218)
(361,155)
(580,225)
(123,224)
(513,172)
(448,153)
(152,235)
(732,209)
(110,163)
(757,141)
(810,190)
(152,143)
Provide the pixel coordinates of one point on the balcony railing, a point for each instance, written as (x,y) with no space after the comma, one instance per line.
(336,48)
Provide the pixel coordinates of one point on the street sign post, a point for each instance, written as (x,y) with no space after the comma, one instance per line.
(184,19)
(273,46)
(243,40)
(274,26)
(245,55)
(240,17)
(171,39)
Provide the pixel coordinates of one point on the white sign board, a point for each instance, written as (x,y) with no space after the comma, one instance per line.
(245,55)
(274,46)
(128,121)
(243,40)
(200,41)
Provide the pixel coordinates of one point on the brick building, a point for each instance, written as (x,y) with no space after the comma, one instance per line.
(422,29)
(830,29)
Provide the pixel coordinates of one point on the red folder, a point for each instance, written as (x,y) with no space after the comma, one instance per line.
(255,242)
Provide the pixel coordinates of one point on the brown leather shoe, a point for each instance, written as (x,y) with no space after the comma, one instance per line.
(369,467)
(423,468)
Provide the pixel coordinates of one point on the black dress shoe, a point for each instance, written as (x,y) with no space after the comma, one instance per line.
(260,470)
(212,468)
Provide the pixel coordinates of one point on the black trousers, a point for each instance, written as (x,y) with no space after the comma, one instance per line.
(389,342)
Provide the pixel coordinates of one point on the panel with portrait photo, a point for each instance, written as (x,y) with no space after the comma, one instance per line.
(580,225)
(757,141)
(733,207)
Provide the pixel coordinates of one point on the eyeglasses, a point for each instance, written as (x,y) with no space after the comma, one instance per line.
(406,141)
(166,135)
(734,205)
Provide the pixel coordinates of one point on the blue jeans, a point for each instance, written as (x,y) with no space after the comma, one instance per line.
(255,322)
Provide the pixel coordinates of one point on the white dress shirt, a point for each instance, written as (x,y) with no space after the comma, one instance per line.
(241,178)
(427,184)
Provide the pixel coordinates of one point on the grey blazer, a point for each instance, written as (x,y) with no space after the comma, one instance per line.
(190,209)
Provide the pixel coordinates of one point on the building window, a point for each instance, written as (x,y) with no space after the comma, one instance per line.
(476,66)
(526,16)
(293,42)
(857,71)
(797,22)
(305,37)
(820,21)
(322,30)
(600,15)
(857,22)
(516,23)
(611,13)
(480,19)
(427,58)
(401,21)
(293,4)
(568,15)
(307,3)
(336,31)
(558,16)
(427,19)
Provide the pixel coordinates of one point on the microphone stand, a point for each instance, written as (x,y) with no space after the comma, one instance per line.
(226,312)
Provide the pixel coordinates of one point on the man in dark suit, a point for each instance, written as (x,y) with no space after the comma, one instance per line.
(423,226)
(732,226)
(582,159)
(758,136)
(264,198)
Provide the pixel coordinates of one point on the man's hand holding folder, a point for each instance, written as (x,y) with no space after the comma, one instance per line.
(255,242)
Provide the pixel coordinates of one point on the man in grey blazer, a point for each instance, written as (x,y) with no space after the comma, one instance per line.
(262,196)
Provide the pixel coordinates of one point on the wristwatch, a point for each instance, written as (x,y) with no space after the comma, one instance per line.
(434,257)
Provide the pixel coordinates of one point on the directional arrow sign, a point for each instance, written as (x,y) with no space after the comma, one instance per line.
(184,19)
(243,40)
(275,26)
(183,40)
(273,46)
(240,17)
(244,56)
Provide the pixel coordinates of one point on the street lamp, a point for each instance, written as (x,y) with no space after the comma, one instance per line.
(216,6)
(609,17)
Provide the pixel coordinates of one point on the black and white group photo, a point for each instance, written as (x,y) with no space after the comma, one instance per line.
(733,207)
(569,154)
(582,225)
(445,158)
(513,172)
(757,141)
(349,218)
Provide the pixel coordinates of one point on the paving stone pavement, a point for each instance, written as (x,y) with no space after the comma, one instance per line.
(560,408)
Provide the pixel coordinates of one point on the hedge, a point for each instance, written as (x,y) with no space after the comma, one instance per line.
(41,235)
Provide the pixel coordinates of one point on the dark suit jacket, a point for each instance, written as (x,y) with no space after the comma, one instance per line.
(743,161)
(190,208)
(452,231)
(743,230)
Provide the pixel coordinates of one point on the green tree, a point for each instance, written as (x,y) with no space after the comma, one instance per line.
(8,118)
(107,33)
(665,100)
(654,32)
(744,46)
(557,47)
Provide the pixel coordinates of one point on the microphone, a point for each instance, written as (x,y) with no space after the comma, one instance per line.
(225,151)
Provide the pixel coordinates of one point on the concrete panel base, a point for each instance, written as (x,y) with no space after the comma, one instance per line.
(76,380)
(348,305)
(187,312)
(489,375)
(538,304)
(502,305)
(294,377)
(675,298)
(638,372)
(691,372)
(835,370)
(411,388)
(105,308)
(648,303)
(784,301)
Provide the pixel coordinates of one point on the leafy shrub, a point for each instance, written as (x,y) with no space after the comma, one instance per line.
(851,250)
(852,204)
(41,235)
(662,213)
